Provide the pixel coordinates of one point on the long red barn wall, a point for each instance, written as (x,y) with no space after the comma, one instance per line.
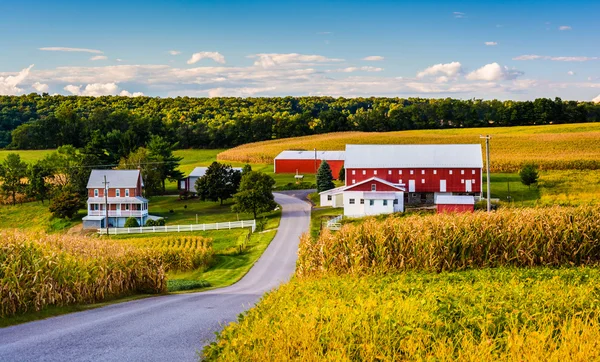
(307,166)
(432,181)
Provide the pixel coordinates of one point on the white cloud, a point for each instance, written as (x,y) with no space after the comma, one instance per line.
(275,59)
(597,99)
(64,49)
(174,52)
(324,33)
(556,59)
(40,87)
(216,56)
(459,15)
(564,27)
(356,69)
(493,72)
(448,69)
(9,83)
(94,89)
(119,60)
(491,43)
(373,58)
(237,92)
(99,57)
(570,72)
(125,93)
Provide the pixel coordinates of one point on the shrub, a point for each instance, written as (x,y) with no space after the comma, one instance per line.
(159,222)
(131,222)
(65,204)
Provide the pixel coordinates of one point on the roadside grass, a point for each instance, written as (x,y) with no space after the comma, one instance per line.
(315,198)
(320,216)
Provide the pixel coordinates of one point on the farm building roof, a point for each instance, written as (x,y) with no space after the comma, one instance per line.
(405,156)
(201,171)
(115,179)
(454,200)
(310,155)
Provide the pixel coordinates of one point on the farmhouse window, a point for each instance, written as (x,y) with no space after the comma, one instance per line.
(373,187)
(462,172)
(126,192)
(371,202)
(412,172)
(118,192)
(389,172)
(95,192)
(328,197)
(472,172)
(364,172)
(422,180)
(354,172)
(384,202)
(450,172)
(351,201)
(422,172)
(126,207)
(362,201)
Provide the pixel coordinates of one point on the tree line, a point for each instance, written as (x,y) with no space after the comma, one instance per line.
(115,126)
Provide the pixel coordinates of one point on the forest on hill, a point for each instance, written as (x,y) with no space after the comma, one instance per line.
(119,125)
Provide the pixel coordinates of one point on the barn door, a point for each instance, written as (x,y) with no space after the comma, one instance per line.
(468,187)
(411,185)
(442,185)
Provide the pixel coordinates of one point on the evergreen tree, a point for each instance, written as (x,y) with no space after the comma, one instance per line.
(324,177)
(255,194)
(148,166)
(342,174)
(529,175)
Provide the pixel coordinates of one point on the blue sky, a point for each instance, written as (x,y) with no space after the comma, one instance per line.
(481,49)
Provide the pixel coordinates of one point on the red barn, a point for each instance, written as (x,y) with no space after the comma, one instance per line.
(447,203)
(426,170)
(308,161)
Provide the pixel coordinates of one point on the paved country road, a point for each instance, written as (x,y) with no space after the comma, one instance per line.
(164,328)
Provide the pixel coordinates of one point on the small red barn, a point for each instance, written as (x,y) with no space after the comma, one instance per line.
(454,203)
(308,161)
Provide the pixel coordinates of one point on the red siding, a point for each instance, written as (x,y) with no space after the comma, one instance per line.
(112,192)
(432,181)
(307,166)
(367,187)
(454,208)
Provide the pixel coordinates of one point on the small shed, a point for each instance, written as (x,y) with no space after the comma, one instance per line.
(189,183)
(454,203)
(308,162)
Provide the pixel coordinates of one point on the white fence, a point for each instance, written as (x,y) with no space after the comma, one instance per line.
(179,228)
(334,224)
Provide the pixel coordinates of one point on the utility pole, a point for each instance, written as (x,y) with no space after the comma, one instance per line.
(106,201)
(487,162)
(315,160)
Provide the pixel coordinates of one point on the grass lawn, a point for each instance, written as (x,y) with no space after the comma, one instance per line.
(33,216)
(319,216)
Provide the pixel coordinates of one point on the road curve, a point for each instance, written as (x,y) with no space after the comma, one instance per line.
(163,328)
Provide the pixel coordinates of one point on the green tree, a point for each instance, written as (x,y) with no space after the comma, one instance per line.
(162,151)
(38,175)
(72,168)
(219,183)
(247,168)
(529,175)
(131,222)
(142,160)
(255,194)
(12,171)
(65,204)
(324,177)
(342,174)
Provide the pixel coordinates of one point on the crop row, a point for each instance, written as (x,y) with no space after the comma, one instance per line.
(554,236)
(39,270)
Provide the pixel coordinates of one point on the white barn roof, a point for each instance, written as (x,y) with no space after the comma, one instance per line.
(310,155)
(201,171)
(405,156)
(454,200)
(115,178)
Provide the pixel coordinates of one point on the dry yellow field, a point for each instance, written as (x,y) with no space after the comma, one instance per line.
(553,147)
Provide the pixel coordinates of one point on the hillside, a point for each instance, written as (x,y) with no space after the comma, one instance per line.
(552,147)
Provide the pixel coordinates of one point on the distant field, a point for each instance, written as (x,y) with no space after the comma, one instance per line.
(26,155)
(553,147)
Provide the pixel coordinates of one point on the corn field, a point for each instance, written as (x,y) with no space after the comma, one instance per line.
(180,253)
(38,270)
(555,236)
(553,147)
